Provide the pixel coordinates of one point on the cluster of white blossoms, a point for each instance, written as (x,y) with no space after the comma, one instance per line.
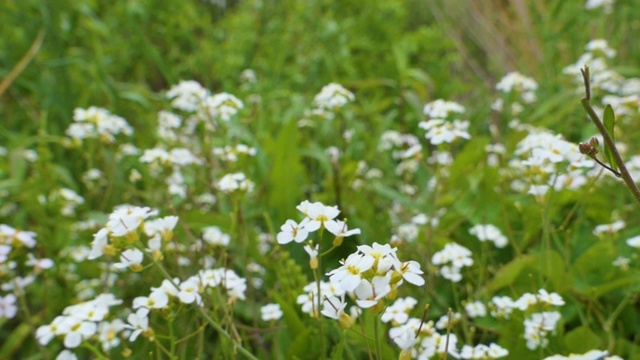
(372,273)
(539,323)
(544,160)
(270,312)
(131,235)
(97,123)
(332,97)
(404,147)
(420,340)
(191,97)
(491,233)
(451,260)
(66,199)
(317,215)
(17,248)
(235,182)
(369,277)
(123,229)
(232,153)
(423,341)
(92,320)
(609,229)
(442,125)
(607,5)
(82,321)
(589,355)
(620,92)
(517,89)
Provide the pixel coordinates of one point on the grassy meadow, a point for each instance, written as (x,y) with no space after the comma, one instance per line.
(279,179)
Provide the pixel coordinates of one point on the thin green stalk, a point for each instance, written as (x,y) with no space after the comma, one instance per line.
(99,355)
(377,340)
(208,318)
(586,104)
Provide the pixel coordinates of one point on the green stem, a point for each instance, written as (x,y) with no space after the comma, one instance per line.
(377,340)
(317,273)
(208,318)
(586,104)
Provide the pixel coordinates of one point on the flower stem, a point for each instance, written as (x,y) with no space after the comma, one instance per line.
(586,104)
(208,318)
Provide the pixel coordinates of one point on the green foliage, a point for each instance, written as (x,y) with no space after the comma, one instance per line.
(396,56)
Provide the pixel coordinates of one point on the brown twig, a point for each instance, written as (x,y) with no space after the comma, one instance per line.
(624,173)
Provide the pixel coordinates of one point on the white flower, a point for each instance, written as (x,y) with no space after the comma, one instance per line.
(333,96)
(66,354)
(158,299)
(411,272)
(549,298)
(75,330)
(333,307)
(489,232)
(339,229)
(398,313)
(526,301)
(292,231)
(406,339)
(440,108)
(609,228)
(475,309)
(348,275)
(271,312)
(187,95)
(319,215)
(214,236)
(108,333)
(189,291)
(502,306)
(138,322)
(368,293)
(130,258)
(8,308)
(235,182)
(634,242)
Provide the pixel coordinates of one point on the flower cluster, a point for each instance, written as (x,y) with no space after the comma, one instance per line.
(491,233)
(123,229)
(17,248)
(589,355)
(97,123)
(332,97)
(190,96)
(516,89)
(317,215)
(235,182)
(439,129)
(373,272)
(452,259)
(547,161)
(423,341)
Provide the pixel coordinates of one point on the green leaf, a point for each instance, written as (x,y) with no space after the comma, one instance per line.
(547,263)
(581,340)
(609,124)
(14,341)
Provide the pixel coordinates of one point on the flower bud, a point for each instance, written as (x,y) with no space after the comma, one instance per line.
(587,149)
(313,263)
(594,142)
(345,321)
(338,241)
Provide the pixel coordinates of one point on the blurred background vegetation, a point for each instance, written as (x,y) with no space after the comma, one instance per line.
(396,56)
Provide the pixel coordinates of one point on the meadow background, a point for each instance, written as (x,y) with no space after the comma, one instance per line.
(275,56)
